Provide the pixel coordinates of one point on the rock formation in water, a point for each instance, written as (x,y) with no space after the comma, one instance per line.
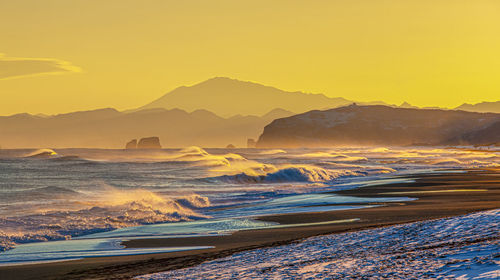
(381,125)
(132,144)
(230,146)
(149,143)
(251,143)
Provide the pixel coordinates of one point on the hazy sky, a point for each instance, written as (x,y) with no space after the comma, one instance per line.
(66,55)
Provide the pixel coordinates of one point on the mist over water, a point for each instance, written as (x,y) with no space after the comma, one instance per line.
(64,193)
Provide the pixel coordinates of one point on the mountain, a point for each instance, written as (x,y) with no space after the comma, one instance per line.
(493,107)
(277,113)
(109,128)
(407,105)
(228,97)
(222,111)
(381,125)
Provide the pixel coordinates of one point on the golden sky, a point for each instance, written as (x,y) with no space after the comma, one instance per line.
(60,56)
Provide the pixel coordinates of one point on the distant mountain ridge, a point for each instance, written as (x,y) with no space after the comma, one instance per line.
(212,113)
(227,97)
(382,125)
(484,107)
(109,128)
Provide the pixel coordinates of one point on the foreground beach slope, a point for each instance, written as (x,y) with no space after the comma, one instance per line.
(464,247)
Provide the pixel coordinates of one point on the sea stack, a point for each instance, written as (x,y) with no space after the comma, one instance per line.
(149,143)
(251,143)
(131,145)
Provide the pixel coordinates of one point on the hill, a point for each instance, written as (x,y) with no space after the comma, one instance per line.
(381,125)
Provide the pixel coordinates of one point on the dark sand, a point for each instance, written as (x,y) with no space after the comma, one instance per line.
(430,205)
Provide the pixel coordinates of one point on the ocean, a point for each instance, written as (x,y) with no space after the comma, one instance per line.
(74,203)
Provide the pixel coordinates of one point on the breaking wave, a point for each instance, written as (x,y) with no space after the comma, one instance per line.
(303,173)
(41,153)
(194,201)
(272,152)
(110,210)
(463,162)
(201,157)
(333,156)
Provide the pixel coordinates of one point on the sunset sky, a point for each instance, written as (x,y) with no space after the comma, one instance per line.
(61,56)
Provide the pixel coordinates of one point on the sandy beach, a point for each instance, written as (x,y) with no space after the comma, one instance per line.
(441,194)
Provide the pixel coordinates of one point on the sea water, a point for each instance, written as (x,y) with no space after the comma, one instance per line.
(55,202)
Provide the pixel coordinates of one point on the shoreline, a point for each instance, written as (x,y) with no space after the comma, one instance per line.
(438,195)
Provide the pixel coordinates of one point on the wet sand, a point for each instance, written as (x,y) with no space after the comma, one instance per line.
(439,195)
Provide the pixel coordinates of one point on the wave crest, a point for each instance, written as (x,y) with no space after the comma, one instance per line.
(111,209)
(272,152)
(298,173)
(333,156)
(201,157)
(41,153)
(194,201)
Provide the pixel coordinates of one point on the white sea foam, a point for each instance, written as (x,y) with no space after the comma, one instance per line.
(202,157)
(333,156)
(109,209)
(289,173)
